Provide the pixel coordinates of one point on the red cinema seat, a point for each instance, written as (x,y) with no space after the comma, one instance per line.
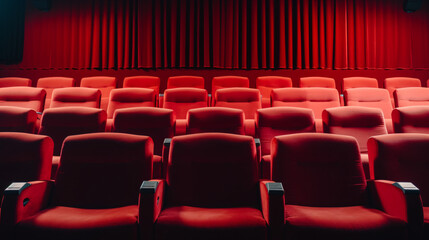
(393,83)
(17,119)
(412,119)
(266,84)
(76,97)
(51,83)
(316,99)
(95,195)
(142,82)
(104,83)
(358,122)
(326,194)
(411,96)
(185,81)
(180,100)
(228,82)
(215,119)
(371,97)
(59,123)
(212,191)
(15,82)
(403,158)
(26,97)
(358,82)
(323,82)
(157,123)
(276,121)
(246,99)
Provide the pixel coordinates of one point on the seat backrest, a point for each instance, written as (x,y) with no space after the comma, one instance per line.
(267,83)
(143,82)
(104,83)
(24,157)
(180,100)
(158,123)
(215,119)
(130,97)
(15,82)
(319,170)
(102,170)
(185,81)
(358,122)
(369,97)
(403,158)
(17,119)
(358,82)
(212,170)
(393,83)
(50,83)
(411,96)
(324,82)
(228,81)
(27,97)
(276,121)
(412,119)
(59,123)
(246,99)
(75,97)
(315,99)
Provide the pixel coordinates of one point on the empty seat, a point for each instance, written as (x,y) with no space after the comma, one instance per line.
(324,82)
(17,119)
(358,82)
(26,97)
(76,97)
(15,82)
(96,193)
(142,82)
(412,119)
(228,81)
(267,83)
(326,194)
(358,122)
(104,83)
(215,119)
(411,96)
(404,158)
(185,81)
(393,83)
(50,83)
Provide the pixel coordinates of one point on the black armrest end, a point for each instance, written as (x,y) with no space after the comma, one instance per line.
(149,187)
(275,188)
(16,188)
(407,187)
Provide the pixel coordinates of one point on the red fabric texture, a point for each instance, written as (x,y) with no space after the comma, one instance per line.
(130,97)
(411,96)
(104,83)
(185,81)
(412,119)
(27,97)
(228,82)
(358,82)
(267,83)
(215,119)
(76,97)
(142,82)
(392,83)
(246,99)
(15,82)
(17,119)
(426,221)
(369,97)
(324,82)
(50,83)
(180,100)
(317,99)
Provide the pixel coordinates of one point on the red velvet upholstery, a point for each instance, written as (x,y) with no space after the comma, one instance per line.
(185,81)
(76,97)
(228,81)
(215,119)
(143,82)
(27,97)
(267,83)
(86,205)
(15,82)
(411,96)
(17,119)
(393,83)
(358,82)
(180,100)
(412,119)
(104,83)
(50,83)
(324,82)
(130,97)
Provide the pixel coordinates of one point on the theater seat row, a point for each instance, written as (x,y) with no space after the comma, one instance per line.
(105,189)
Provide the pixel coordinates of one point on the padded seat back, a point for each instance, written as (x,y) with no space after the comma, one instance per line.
(216,170)
(393,83)
(267,83)
(50,83)
(228,81)
(358,82)
(319,170)
(246,99)
(412,119)
(76,97)
(411,96)
(185,81)
(130,97)
(142,82)
(104,83)
(102,170)
(26,97)
(16,119)
(15,82)
(215,119)
(369,97)
(323,82)
(180,100)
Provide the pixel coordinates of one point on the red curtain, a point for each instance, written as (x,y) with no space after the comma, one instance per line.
(228,34)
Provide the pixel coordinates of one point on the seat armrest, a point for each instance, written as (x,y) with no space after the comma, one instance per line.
(273,201)
(258,149)
(24,199)
(150,205)
(165,153)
